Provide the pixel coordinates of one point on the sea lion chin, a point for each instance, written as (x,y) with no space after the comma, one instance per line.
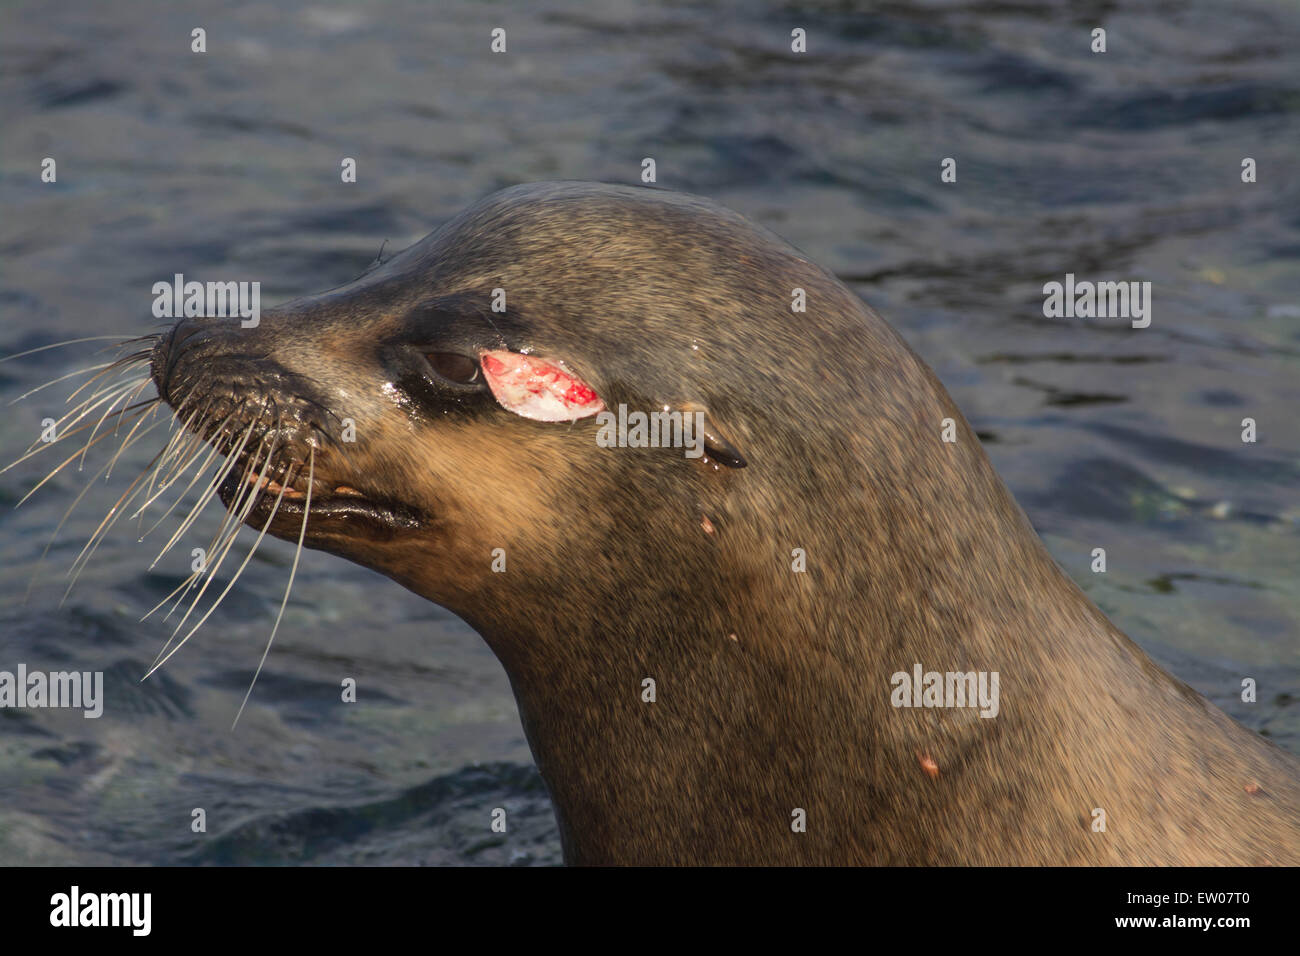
(691,694)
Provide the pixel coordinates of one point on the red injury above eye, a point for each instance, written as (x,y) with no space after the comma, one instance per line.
(538,388)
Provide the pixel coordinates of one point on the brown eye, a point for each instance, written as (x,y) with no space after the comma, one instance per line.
(454,367)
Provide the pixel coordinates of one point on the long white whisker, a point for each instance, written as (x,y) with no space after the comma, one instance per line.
(302,534)
(61,378)
(218,540)
(131,395)
(184,457)
(124,365)
(163,461)
(118,373)
(290,477)
(221,544)
(238,571)
(198,473)
(66,426)
(63,464)
(39,445)
(109,520)
(207,494)
(184,587)
(126,442)
(59,345)
(40,562)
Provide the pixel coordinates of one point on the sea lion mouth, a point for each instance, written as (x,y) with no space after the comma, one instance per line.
(336,510)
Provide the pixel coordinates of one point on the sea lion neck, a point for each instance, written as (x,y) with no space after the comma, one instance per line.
(771,687)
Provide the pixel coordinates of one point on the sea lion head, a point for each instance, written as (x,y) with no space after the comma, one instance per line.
(448,404)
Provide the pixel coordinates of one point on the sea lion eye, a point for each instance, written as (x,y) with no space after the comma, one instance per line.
(454,367)
(539,388)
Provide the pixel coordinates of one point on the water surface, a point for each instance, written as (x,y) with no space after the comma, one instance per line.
(1117,166)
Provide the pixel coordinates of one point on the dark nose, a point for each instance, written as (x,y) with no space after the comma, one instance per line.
(202,350)
(202,356)
(162,363)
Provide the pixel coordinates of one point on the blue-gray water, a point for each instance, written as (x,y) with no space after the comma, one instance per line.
(1123,165)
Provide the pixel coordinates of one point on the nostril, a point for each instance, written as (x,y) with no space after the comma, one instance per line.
(162,365)
(160,362)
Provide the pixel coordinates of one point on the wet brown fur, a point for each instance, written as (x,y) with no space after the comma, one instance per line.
(773,687)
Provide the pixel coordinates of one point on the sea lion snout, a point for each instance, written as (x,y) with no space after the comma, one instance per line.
(204,357)
(223,379)
(289,452)
(402,432)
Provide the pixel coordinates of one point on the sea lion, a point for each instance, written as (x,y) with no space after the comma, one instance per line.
(689,695)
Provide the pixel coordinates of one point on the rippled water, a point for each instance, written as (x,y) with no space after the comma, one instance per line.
(1117,166)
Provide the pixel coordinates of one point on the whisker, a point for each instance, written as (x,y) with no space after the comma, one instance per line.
(89,338)
(124,365)
(133,496)
(206,494)
(238,571)
(102,418)
(73,429)
(61,378)
(138,357)
(173,445)
(184,587)
(40,445)
(175,476)
(217,539)
(67,461)
(192,444)
(220,543)
(126,442)
(220,546)
(230,520)
(109,520)
(302,534)
(40,562)
(290,477)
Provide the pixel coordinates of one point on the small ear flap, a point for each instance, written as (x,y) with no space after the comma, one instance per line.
(538,388)
(718,446)
(722,450)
